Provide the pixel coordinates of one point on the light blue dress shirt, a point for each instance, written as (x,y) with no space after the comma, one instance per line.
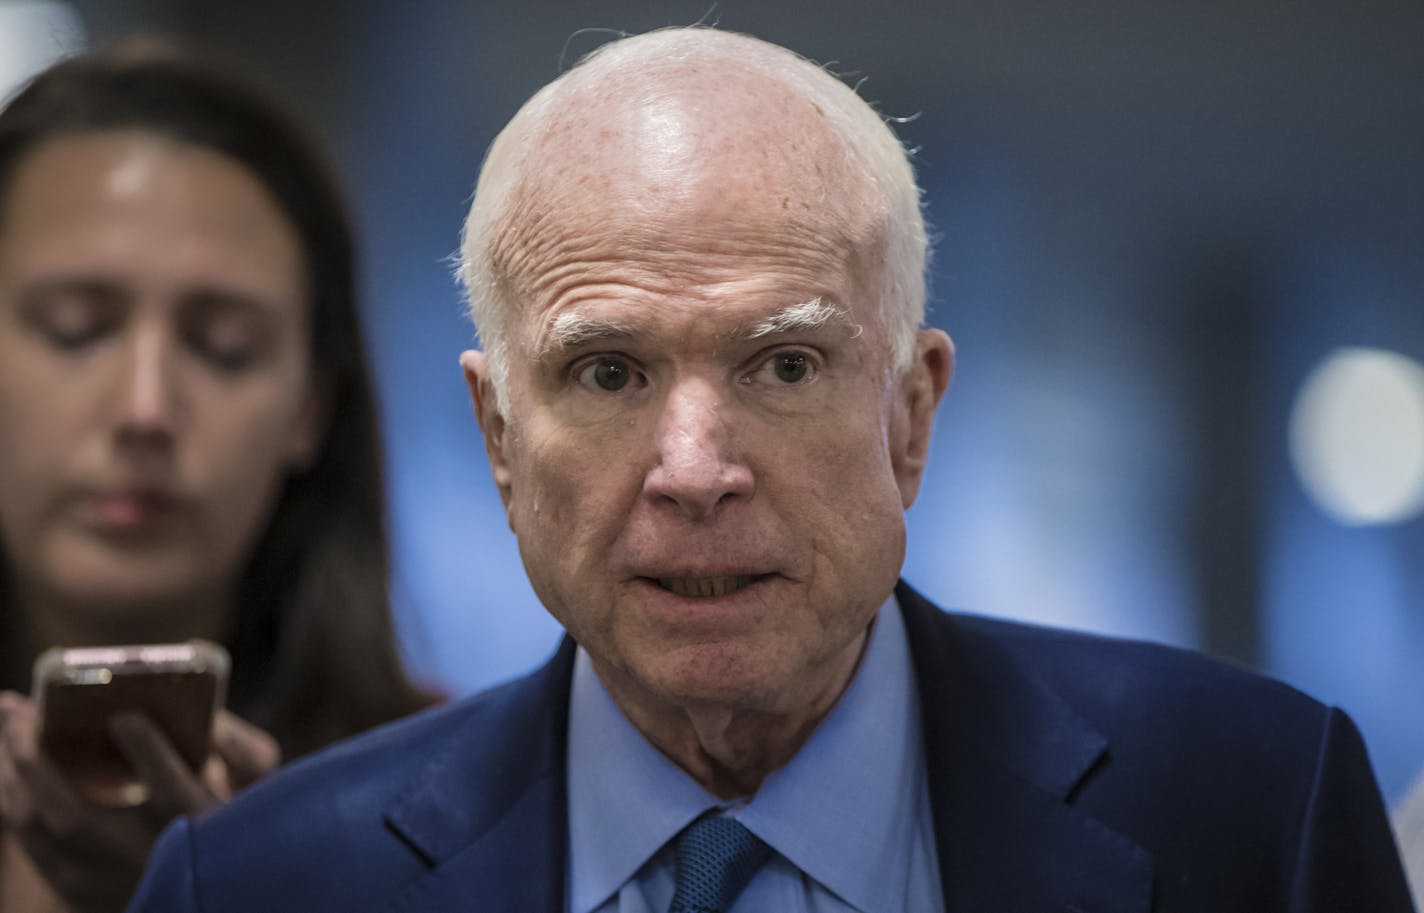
(849,816)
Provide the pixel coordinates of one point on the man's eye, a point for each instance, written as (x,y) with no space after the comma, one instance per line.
(609,375)
(785,369)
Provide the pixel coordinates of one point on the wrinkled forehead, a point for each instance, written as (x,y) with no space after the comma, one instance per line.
(683,145)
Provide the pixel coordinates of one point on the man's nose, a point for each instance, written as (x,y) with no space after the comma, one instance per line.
(699,468)
(148,405)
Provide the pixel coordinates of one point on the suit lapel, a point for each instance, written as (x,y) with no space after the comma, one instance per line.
(488,812)
(1005,757)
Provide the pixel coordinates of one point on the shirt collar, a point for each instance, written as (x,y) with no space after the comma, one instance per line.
(842,811)
(625,798)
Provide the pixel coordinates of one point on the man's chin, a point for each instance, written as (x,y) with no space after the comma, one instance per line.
(733,677)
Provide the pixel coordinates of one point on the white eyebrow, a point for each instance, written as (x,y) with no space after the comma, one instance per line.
(570,330)
(808,315)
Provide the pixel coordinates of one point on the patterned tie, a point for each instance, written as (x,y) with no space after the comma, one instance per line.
(716,857)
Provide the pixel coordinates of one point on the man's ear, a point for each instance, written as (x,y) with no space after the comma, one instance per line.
(916,396)
(492,423)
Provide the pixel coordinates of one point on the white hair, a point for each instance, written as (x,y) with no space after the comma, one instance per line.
(871,148)
(808,315)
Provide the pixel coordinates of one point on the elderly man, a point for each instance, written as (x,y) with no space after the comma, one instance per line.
(695,262)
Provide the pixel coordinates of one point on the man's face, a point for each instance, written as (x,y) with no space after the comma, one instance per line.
(706,474)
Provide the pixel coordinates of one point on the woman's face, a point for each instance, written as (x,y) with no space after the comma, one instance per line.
(154,375)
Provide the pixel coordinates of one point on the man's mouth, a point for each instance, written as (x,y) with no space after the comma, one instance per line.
(706,587)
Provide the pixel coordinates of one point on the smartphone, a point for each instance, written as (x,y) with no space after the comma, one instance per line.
(178,686)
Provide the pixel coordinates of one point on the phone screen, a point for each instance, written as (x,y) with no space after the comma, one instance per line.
(177,686)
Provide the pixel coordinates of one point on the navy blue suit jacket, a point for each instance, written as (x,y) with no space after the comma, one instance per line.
(1068,773)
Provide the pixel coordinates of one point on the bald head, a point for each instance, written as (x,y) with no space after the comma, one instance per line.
(692,128)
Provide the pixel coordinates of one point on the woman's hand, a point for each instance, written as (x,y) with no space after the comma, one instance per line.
(241,754)
(91,855)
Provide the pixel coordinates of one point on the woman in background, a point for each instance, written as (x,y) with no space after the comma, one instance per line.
(188,443)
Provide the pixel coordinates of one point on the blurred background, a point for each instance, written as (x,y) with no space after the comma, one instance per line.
(1180,247)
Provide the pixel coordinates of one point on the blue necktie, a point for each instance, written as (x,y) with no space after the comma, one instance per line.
(716,857)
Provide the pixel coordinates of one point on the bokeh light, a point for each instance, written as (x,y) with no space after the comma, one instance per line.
(1357,436)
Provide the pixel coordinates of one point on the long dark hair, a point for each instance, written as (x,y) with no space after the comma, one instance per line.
(314,655)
